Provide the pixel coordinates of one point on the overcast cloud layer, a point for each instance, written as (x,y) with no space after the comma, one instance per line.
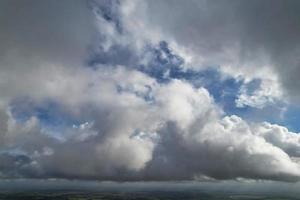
(148,90)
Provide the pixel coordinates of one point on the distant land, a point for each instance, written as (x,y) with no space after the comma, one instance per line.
(190,190)
(189,195)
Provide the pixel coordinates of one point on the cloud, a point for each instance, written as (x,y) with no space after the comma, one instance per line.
(120,114)
(35,34)
(179,134)
(267,93)
(55,31)
(223,150)
(228,34)
(279,136)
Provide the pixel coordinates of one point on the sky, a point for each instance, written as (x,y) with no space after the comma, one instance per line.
(150,90)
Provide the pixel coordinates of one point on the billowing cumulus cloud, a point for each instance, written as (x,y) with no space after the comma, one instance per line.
(89,91)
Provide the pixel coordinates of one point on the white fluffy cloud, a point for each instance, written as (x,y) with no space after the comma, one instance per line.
(279,136)
(177,134)
(269,92)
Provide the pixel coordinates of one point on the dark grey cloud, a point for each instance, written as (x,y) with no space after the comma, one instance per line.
(54,31)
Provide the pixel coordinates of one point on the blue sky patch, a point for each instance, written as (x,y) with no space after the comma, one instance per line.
(51,115)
